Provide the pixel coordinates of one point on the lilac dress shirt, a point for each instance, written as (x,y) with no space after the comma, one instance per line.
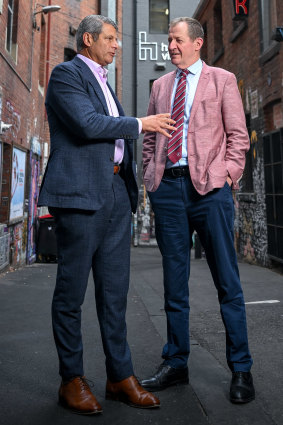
(100,74)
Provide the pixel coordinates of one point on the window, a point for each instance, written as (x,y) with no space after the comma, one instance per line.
(203,51)
(218,36)
(42,54)
(268,21)
(69,54)
(273,171)
(158,16)
(12,27)
(99,7)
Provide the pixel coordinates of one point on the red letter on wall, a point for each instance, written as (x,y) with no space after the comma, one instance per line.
(241,4)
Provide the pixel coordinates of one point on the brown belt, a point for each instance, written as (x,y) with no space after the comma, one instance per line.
(117,168)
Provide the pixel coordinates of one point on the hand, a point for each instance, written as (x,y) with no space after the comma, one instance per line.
(229,181)
(158,123)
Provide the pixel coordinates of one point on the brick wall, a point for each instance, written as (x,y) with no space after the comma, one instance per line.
(23,82)
(259,77)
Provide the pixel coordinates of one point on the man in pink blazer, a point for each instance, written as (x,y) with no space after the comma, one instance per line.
(189,179)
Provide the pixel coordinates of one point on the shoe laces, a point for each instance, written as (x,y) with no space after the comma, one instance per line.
(86,383)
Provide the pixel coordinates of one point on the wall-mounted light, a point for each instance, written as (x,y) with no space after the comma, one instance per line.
(167,12)
(45,10)
(160,66)
(4,127)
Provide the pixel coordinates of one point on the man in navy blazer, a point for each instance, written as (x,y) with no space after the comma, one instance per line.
(90,188)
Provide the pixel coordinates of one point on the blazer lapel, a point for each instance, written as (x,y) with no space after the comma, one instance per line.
(88,75)
(119,106)
(201,87)
(169,90)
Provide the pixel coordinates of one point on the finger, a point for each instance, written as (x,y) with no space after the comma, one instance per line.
(164,132)
(167,115)
(169,127)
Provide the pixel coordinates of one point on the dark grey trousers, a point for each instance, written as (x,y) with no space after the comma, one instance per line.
(97,240)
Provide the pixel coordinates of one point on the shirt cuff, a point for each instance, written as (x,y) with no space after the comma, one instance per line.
(140,125)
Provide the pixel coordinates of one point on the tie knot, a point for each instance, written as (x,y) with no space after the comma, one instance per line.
(184,72)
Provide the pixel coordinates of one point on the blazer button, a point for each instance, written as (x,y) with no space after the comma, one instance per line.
(165,148)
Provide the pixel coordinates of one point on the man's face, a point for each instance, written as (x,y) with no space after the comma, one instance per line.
(183,50)
(103,50)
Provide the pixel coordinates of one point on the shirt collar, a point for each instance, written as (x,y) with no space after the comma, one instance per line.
(194,68)
(95,67)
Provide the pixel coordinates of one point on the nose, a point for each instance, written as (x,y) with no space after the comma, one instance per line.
(172,45)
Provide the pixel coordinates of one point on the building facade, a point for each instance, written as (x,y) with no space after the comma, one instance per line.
(246,38)
(34,37)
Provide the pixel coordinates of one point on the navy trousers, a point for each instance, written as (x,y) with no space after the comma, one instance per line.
(179,210)
(97,240)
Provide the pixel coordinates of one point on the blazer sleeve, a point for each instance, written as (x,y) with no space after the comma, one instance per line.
(237,138)
(68,97)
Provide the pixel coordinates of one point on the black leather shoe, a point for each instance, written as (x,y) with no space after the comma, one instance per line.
(242,388)
(164,377)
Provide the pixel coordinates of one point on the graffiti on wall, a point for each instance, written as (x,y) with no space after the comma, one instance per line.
(252,218)
(146,223)
(13,118)
(32,213)
(18,239)
(254,144)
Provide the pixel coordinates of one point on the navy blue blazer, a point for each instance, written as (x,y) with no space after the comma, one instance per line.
(79,172)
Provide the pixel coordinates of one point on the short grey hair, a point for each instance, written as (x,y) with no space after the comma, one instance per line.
(195,29)
(92,24)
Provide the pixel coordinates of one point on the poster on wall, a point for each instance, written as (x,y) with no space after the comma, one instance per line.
(18,184)
(1,167)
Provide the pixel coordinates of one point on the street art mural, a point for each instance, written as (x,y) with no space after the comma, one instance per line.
(146,223)
(14,118)
(32,213)
(18,239)
(17,184)
(251,216)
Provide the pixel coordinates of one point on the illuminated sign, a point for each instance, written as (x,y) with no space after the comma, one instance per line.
(241,8)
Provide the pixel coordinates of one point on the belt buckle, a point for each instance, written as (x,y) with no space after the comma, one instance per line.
(116,168)
(175,172)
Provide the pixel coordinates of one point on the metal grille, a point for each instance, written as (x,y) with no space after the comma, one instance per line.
(273,170)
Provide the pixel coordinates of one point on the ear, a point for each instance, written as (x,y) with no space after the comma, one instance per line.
(87,39)
(198,43)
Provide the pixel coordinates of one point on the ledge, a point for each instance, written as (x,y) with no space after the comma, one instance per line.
(238,31)
(249,197)
(268,54)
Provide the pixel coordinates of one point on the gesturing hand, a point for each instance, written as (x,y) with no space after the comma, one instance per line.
(158,123)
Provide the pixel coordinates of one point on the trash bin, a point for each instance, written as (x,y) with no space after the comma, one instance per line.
(46,245)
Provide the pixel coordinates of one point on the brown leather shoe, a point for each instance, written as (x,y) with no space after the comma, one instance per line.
(77,396)
(130,392)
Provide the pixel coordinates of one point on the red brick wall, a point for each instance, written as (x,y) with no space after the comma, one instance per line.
(260,82)
(39,50)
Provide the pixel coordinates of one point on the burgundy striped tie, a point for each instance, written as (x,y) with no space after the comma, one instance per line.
(178,111)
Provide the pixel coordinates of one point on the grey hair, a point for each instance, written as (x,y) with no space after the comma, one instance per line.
(195,29)
(92,24)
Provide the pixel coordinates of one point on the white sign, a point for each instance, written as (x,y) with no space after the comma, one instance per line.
(148,50)
(18,184)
